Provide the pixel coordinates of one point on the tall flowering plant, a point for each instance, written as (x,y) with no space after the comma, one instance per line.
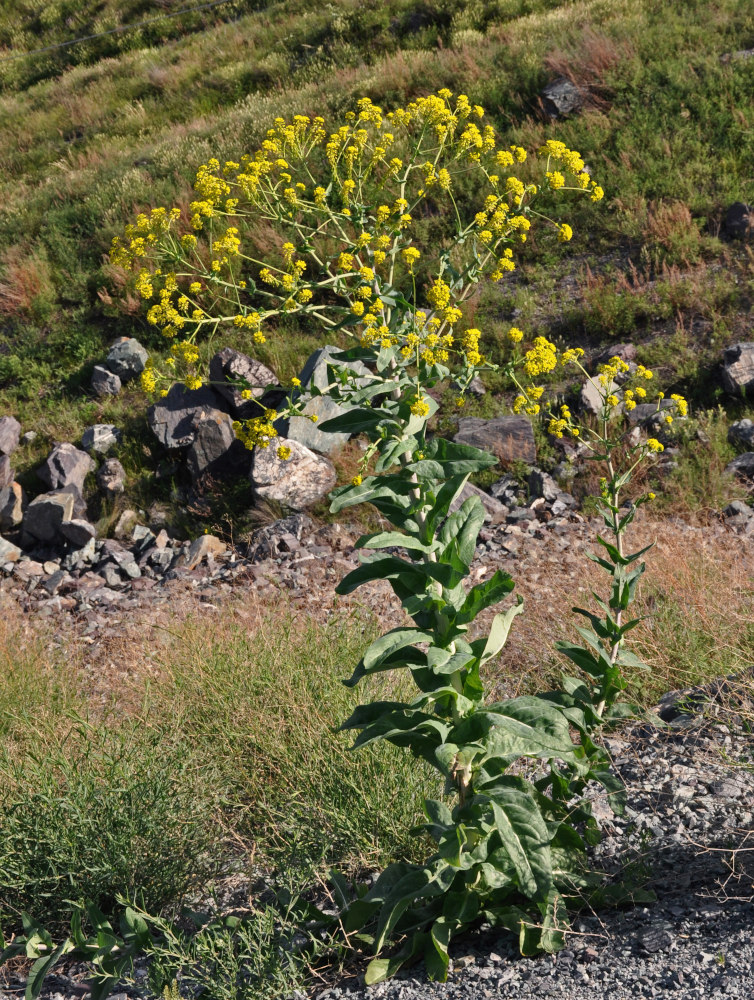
(510,830)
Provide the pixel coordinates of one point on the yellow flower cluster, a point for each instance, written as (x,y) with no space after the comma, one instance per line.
(541,358)
(258,431)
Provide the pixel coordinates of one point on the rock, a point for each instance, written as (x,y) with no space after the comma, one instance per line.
(9,553)
(737,508)
(543,485)
(215,449)
(111,478)
(739,221)
(742,432)
(314,373)
(29,437)
(562,97)
(507,490)
(45,514)
(646,414)
(626,352)
(79,505)
(509,438)
(494,511)
(12,505)
(268,541)
(476,387)
(738,369)
(104,382)
(741,56)
(296,482)
(590,396)
(126,524)
(174,419)
(229,365)
(10,432)
(101,438)
(742,466)
(126,358)
(78,532)
(7,474)
(66,466)
(202,548)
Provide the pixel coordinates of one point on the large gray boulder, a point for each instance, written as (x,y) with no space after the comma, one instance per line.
(296,482)
(10,433)
(229,366)
(509,439)
(590,397)
(314,374)
(12,505)
(174,419)
(45,514)
(104,382)
(126,358)
(738,369)
(101,438)
(66,465)
(562,97)
(78,532)
(215,449)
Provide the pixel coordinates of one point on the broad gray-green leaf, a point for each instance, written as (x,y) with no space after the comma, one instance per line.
(391,642)
(526,840)
(501,626)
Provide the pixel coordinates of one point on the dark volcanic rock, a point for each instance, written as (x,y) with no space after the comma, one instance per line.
(104,382)
(228,366)
(174,419)
(215,449)
(562,97)
(127,358)
(45,514)
(66,465)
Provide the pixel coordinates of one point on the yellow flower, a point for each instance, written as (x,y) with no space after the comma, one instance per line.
(284,452)
(654,446)
(564,232)
(515,335)
(356,481)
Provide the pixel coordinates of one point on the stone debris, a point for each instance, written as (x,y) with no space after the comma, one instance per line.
(741,432)
(742,466)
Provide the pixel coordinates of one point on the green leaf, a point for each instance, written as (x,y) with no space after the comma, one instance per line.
(42,967)
(392,539)
(525,839)
(484,595)
(436,952)
(522,727)
(385,568)
(443,459)
(391,642)
(498,636)
(554,923)
(372,490)
(353,421)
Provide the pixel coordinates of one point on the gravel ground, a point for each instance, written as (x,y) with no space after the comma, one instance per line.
(688,829)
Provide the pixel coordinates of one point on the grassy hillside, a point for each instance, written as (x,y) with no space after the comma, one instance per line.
(109,127)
